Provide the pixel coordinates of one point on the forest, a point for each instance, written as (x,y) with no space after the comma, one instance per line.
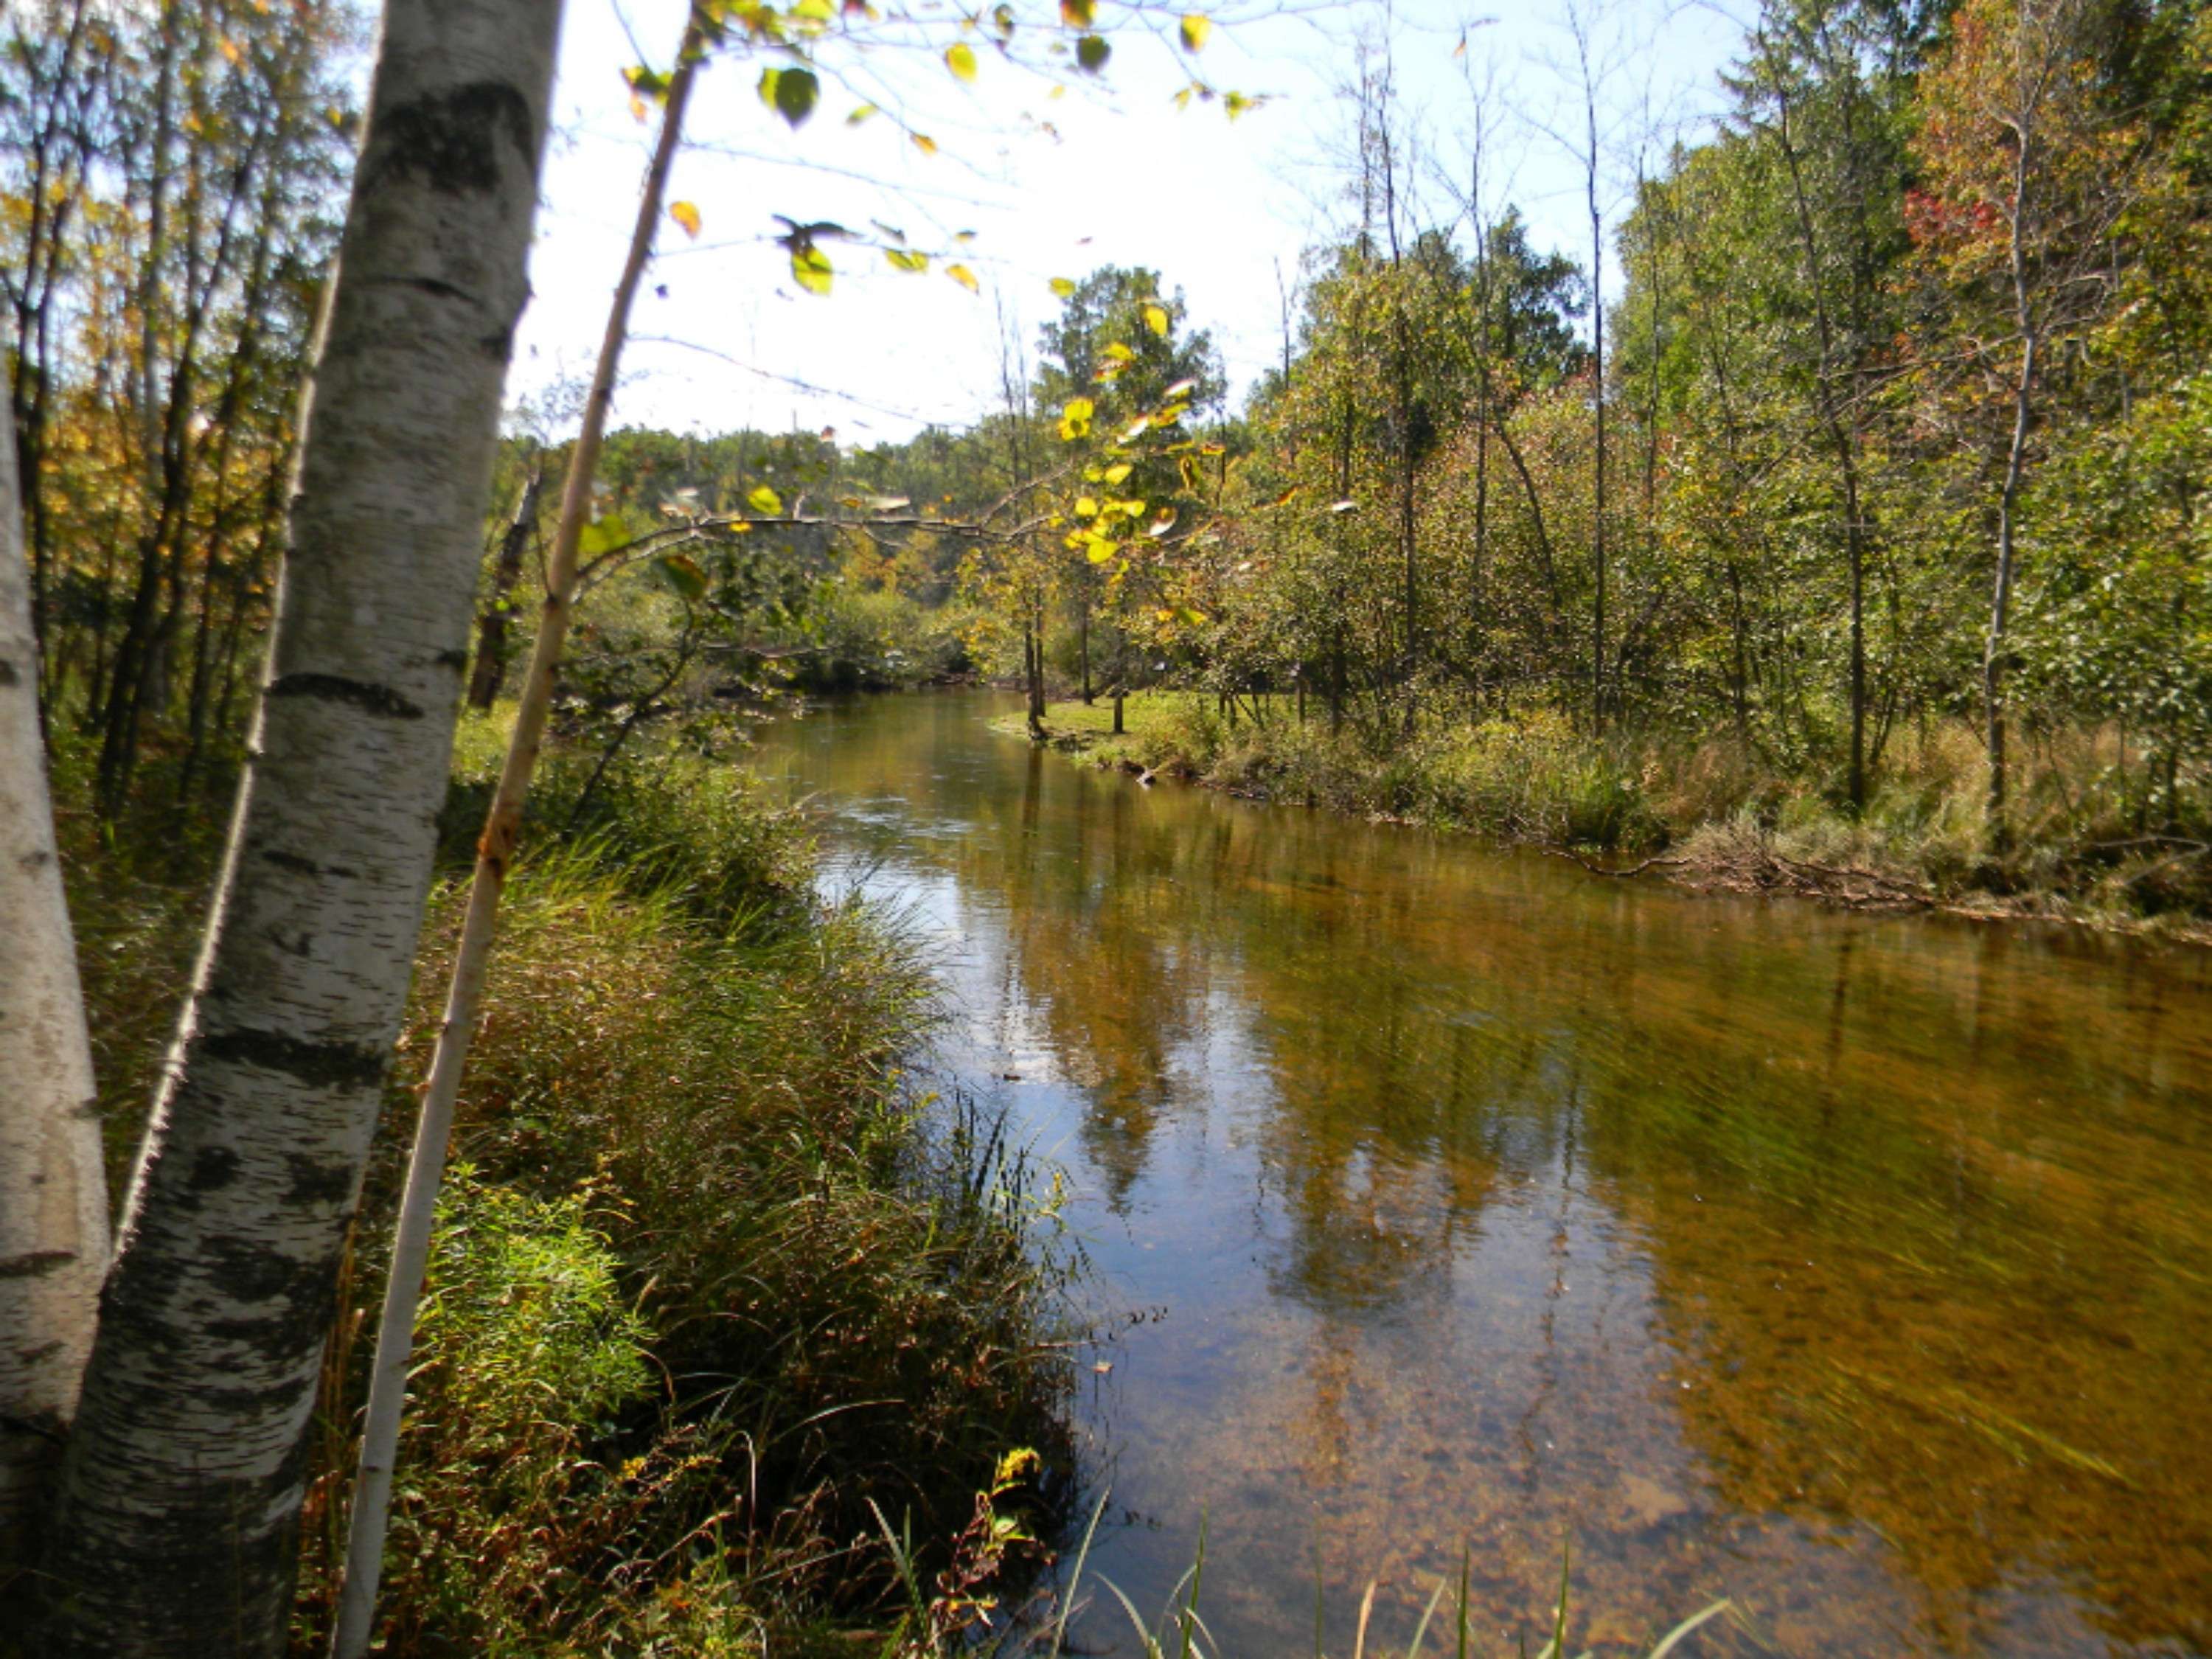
(1825,522)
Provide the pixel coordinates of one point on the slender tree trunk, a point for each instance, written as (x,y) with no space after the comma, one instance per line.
(1083,639)
(54,1191)
(175,1528)
(2023,411)
(491,626)
(1033,669)
(1994,646)
(411,1249)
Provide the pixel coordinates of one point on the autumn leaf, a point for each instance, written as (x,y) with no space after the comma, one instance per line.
(1196,29)
(811,269)
(964,277)
(960,58)
(765,501)
(685,214)
(1156,318)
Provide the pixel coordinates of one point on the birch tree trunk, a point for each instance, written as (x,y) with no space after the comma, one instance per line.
(53,1192)
(174,1529)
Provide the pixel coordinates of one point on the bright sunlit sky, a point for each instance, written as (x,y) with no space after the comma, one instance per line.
(1108,172)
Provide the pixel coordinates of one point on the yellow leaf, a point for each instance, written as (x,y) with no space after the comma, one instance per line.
(859,115)
(1156,318)
(1086,507)
(1196,26)
(1077,14)
(964,277)
(1062,287)
(1119,472)
(685,214)
(765,501)
(924,144)
(811,269)
(960,58)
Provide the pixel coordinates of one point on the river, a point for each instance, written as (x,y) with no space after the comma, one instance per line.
(1448,1199)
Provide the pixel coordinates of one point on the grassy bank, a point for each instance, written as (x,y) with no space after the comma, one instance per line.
(1708,812)
(714,1285)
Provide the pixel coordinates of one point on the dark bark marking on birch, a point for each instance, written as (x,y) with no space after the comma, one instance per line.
(448,141)
(431,285)
(317,1180)
(318,1065)
(36,1264)
(455,661)
(300,867)
(255,1272)
(335,688)
(8,673)
(213,1168)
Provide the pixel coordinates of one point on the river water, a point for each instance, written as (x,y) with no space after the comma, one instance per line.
(1450,1200)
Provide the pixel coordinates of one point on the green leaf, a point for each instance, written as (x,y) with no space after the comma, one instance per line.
(764,502)
(860,115)
(1196,28)
(685,575)
(1092,52)
(960,58)
(602,535)
(791,93)
(907,259)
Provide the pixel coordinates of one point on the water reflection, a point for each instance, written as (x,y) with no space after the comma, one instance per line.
(1857,1269)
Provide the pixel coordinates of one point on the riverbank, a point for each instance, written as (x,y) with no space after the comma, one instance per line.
(716,1283)
(1709,817)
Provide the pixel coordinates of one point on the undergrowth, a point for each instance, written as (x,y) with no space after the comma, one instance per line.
(2086,837)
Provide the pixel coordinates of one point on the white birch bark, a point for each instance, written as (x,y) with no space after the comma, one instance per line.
(53,1192)
(174,1530)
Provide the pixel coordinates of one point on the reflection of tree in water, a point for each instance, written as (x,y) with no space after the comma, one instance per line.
(1916,1210)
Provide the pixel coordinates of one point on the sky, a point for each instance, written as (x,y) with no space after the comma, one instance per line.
(1106,171)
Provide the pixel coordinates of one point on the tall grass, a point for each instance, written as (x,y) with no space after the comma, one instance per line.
(719,1282)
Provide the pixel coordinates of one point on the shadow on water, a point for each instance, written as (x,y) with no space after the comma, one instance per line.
(1857,1268)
